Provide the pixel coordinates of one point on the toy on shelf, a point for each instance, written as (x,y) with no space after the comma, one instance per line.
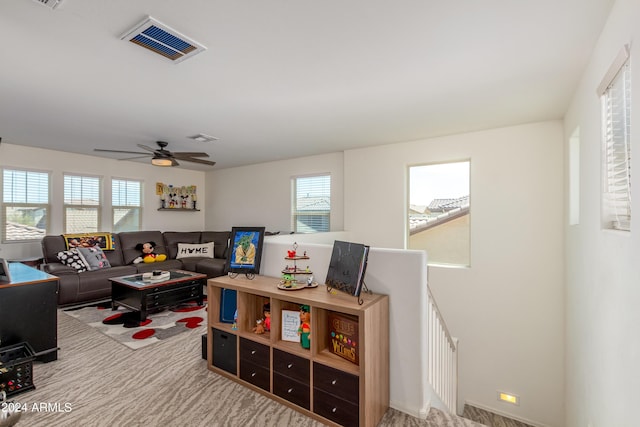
(234,326)
(305,326)
(266,311)
(289,280)
(259,328)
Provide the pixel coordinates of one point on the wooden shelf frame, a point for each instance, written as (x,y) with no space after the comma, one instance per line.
(373,332)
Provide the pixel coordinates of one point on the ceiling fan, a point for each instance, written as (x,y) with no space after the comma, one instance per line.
(162,157)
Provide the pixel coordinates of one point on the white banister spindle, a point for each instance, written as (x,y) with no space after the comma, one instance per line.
(443,357)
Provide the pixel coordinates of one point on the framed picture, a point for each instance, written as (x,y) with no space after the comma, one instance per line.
(245,250)
(5,276)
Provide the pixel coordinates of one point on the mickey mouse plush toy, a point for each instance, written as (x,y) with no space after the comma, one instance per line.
(147,253)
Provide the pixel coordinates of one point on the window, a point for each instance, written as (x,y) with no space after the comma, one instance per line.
(25,205)
(439,212)
(616,145)
(311,203)
(81,204)
(126,196)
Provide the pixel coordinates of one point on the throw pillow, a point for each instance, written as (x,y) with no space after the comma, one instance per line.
(94,258)
(72,259)
(186,250)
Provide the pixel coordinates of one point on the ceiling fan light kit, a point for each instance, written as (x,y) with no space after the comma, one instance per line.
(161,162)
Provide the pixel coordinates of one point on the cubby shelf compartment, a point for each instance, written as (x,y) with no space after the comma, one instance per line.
(369,380)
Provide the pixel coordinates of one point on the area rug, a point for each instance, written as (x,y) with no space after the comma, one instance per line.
(123,325)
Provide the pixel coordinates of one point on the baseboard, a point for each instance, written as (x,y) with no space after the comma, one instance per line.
(504,414)
(421,414)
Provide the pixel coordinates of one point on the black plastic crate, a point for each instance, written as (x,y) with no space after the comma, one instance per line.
(16,368)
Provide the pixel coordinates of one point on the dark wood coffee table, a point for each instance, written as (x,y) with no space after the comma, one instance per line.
(139,295)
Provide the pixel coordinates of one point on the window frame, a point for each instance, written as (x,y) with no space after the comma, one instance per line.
(139,207)
(5,205)
(296,213)
(449,215)
(615,97)
(66,206)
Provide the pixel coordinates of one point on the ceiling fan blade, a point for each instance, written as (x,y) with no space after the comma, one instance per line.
(144,147)
(137,157)
(118,151)
(174,162)
(179,154)
(194,160)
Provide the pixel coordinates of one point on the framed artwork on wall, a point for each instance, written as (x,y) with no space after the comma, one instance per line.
(245,251)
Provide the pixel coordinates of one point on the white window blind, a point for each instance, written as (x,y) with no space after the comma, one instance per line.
(311,204)
(616,100)
(25,205)
(81,203)
(126,196)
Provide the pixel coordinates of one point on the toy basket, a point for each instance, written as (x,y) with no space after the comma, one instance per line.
(16,368)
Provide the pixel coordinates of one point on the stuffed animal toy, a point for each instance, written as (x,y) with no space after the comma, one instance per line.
(147,253)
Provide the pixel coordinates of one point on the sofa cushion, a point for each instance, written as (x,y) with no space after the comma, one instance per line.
(190,250)
(172,238)
(212,267)
(73,259)
(129,240)
(94,258)
(220,240)
(51,245)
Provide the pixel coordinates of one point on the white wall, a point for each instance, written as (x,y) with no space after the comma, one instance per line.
(602,288)
(507,309)
(57,163)
(260,195)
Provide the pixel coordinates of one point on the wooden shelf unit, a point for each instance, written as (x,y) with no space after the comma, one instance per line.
(343,393)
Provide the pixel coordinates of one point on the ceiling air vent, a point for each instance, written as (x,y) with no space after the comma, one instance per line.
(163,40)
(50,3)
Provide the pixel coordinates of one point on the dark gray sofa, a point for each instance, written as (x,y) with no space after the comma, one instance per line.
(88,286)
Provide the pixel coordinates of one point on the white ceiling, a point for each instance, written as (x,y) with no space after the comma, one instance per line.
(287,78)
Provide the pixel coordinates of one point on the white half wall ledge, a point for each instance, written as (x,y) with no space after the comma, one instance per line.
(399,273)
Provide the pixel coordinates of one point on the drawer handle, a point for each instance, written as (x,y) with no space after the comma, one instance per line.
(253,374)
(290,390)
(253,352)
(290,365)
(334,410)
(334,382)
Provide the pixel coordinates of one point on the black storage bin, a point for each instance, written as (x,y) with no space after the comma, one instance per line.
(16,368)
(225,351)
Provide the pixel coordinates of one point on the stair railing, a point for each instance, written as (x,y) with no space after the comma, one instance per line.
(443,357)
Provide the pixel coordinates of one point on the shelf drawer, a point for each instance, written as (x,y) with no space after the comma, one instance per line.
(336,383)
(224,351)
(295,367)
(335,409)
(292,390)
(254,352)
(254,374)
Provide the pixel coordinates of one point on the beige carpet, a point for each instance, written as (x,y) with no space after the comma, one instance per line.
(97,382)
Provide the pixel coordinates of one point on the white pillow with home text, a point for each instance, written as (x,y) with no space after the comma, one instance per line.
(188,250)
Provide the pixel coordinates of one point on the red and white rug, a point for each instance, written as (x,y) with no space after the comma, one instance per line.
(124,326)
